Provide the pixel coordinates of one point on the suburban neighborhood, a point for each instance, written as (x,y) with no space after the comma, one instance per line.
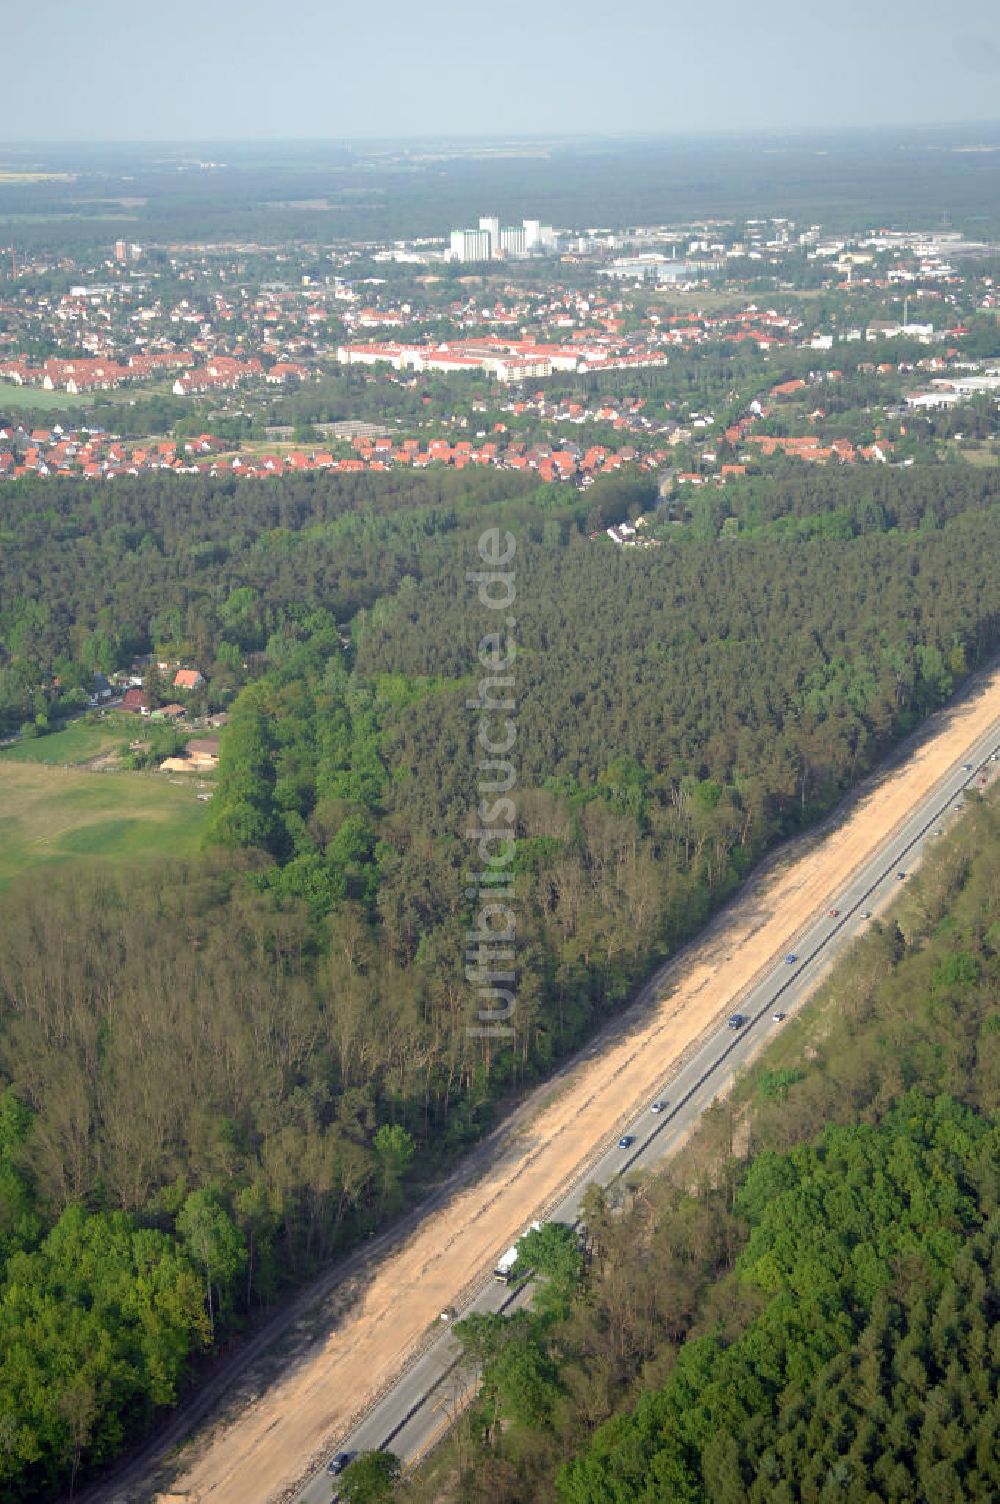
(567,356)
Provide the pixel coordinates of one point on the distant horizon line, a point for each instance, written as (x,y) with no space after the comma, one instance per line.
(440,137)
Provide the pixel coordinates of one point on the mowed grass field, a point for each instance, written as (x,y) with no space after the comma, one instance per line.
(34,399)
(52,815)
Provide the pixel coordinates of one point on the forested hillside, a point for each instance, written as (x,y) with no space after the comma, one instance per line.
(805,1307)
(256,1056)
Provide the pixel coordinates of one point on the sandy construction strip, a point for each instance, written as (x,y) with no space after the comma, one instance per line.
(269,1447)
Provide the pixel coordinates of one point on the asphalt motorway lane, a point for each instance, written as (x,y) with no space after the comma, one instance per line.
(423,1401)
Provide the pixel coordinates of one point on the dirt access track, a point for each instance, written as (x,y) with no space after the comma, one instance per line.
(259,1454)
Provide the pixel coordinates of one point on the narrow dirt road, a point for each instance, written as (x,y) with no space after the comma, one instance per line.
(256,1456)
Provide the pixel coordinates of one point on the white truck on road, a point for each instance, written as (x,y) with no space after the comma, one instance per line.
(506,1261)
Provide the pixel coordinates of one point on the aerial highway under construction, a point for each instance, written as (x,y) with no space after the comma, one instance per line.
(416,1410)
(374,1366)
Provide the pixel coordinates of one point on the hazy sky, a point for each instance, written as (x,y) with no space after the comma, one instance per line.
(271,69)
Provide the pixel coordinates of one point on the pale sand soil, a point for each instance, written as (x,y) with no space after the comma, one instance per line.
(265,1449)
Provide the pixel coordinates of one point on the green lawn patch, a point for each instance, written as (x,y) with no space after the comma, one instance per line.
(104,838)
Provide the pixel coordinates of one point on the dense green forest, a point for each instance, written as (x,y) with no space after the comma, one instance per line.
(804,1308)
(237,1066)
(219,570)
(844,504)
(207,569)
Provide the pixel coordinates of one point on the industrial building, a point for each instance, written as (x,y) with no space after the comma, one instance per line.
(495,242)
(652,267)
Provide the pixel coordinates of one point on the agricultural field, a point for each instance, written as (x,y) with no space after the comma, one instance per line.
(52,815)
(8,176)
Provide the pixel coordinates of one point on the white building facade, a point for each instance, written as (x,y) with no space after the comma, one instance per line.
(493,241)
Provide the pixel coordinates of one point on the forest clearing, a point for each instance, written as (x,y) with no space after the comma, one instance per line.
(54,814)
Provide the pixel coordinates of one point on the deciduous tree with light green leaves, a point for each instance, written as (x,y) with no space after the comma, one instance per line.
(215,1244)
(97,1326)
(370,1478)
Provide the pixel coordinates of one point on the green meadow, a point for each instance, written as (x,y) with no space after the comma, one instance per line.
(36,399)
(52,815)
(80,742)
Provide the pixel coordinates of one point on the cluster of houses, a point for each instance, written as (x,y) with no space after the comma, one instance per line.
(94,374)
(110,332)
(54,452)
(588,312)
(599,346)
(808,448)
(137,701)
(95,456)
(225,373)
(812,451)
(585,348)
(551,462)
(123,692)
(200,754)
(91,374)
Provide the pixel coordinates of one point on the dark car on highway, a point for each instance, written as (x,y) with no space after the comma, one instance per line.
(626,1141)
(736,1021)
(337,1464)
